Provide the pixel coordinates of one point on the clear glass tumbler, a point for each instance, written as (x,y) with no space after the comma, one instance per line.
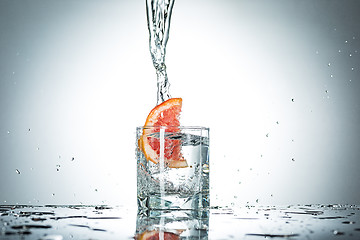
(172,168)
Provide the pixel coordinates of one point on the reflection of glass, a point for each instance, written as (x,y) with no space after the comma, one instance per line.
(172,168)
(172,225)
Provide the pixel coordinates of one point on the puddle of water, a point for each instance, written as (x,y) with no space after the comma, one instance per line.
(118,222)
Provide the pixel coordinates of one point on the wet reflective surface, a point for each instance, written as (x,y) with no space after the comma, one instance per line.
(119,222)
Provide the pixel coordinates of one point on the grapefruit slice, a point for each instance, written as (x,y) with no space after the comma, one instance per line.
(164,114)
(155,235)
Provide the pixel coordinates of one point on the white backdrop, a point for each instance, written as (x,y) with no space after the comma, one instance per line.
(277,82)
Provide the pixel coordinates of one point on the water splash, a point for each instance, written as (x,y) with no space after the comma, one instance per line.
(158,18)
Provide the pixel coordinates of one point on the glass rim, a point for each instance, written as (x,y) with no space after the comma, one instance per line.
(178,127)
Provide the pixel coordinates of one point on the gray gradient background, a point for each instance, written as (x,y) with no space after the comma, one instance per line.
(276,81)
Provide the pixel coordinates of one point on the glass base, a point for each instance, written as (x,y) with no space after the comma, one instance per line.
(198,202)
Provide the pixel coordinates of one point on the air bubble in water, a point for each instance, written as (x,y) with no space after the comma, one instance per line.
(205,168)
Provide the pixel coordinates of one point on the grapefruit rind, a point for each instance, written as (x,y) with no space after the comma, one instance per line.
(155,234)
(171,109)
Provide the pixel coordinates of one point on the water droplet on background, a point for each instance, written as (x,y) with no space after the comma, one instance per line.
(17,171)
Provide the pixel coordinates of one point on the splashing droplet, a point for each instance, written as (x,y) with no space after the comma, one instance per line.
(329,64)
(336,232)
(293,159)
(293,100)
(331,75)
(72,159)
(348,222)
(17,171)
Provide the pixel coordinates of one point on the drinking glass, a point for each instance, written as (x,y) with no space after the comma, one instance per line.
(172,168)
